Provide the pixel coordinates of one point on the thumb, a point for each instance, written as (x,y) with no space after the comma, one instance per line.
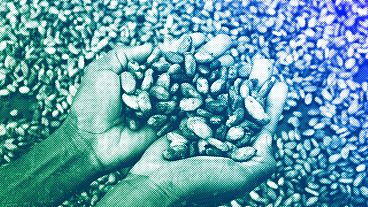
(263,145)
(132,53)
(152,159)
(274,107)
(97,106)
(117,59)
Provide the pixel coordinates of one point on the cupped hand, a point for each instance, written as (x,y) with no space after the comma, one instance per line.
(207,181)
(97,114)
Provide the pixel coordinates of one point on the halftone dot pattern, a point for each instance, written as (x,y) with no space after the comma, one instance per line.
(320,51)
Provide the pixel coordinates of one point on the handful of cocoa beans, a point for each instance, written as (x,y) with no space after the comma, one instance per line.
(203,102)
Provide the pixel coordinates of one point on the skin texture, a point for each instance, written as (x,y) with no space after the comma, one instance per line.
(93,141)
(97,112)
(203,180)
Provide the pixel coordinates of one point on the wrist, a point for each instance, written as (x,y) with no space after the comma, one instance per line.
(138,190)
(62,161)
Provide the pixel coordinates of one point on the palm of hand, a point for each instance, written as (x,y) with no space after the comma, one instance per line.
(97,114)
(207,180)
(202,179)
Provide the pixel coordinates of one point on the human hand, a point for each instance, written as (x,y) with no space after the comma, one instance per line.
(203,180)
(91,141)
(207,181)
(97,115)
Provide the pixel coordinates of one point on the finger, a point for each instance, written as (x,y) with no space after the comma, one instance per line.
(262,70)
(136,142)
(152,158)
(275,105)
(133,53)
(217,45)
(264,157)
(97,105)
(216,179)
(108,61)
(124,145)
(263,143)
(117,59)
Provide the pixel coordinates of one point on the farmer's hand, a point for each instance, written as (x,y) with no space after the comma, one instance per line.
(201,180)
(96,113)
(91,141)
